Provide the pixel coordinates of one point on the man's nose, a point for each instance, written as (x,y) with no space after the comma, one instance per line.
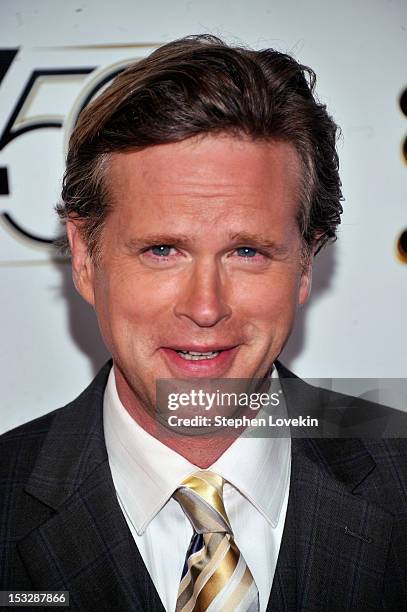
(202,297)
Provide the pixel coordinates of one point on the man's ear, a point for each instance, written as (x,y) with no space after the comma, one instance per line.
(82,264)
(305,283)
(306,277)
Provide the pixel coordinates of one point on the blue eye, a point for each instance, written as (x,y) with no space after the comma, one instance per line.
(246,252)
(161,250)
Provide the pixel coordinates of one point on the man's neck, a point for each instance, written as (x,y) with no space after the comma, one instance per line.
(200,450)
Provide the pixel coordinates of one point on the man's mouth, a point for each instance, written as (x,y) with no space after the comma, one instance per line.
(197,356)
(200,360)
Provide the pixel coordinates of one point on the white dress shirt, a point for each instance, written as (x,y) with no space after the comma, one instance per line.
(146,473)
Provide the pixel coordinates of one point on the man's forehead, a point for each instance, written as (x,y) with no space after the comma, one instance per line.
(220,160)
(226,188)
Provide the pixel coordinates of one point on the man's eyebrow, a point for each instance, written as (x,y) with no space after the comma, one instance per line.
(158,239)
(246,238)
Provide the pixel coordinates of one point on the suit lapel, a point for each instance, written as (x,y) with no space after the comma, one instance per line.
(85,547)
(335,531)
(284,591)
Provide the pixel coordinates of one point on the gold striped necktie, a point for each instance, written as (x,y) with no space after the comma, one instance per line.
(215,576)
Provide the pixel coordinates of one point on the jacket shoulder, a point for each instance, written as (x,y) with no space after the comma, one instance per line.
(340,415)
(20,446)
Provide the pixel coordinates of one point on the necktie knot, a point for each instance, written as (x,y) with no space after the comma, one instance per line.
(201,498)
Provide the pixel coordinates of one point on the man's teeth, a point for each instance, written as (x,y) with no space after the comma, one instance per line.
(196,356)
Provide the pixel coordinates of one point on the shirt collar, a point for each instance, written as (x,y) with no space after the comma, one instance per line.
(146,472)
(250,464)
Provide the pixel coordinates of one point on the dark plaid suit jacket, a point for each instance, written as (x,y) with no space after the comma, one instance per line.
(344,546)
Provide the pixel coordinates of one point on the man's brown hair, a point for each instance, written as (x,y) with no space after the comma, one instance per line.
(200,85)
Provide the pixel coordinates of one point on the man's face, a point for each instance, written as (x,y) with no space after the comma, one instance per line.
(200,273)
